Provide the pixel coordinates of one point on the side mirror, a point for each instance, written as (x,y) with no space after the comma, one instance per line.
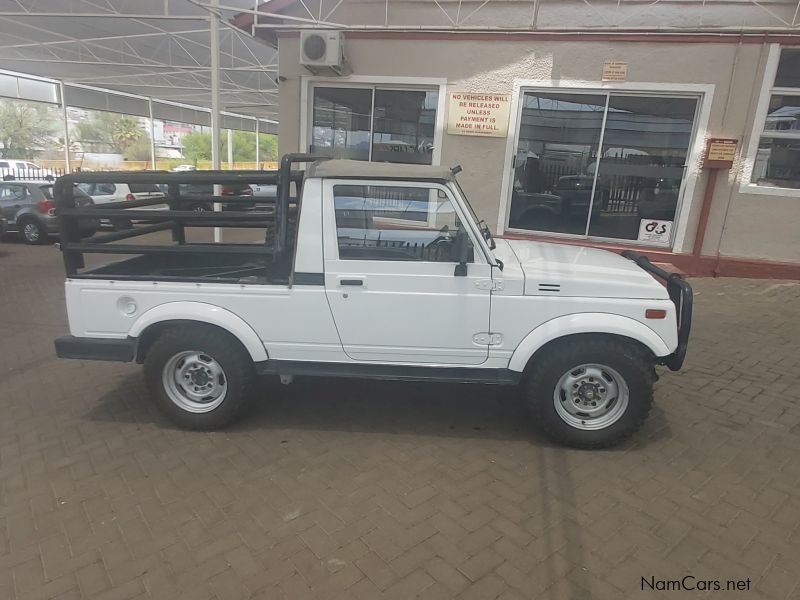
(463,246)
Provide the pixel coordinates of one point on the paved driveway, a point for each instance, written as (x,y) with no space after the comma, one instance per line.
(349,489)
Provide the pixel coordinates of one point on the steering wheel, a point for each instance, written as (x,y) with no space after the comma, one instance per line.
(443,236)
(440,242)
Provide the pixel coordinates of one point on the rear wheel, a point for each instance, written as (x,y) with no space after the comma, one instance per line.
(200,377)
(121,224)
(33,232)
(591,392)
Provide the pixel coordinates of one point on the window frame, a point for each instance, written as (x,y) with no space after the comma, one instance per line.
(704,94)
(330,236)
(768,89)
(406,84)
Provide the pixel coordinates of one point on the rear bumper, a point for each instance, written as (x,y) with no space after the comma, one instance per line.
(69,346)
(680,292)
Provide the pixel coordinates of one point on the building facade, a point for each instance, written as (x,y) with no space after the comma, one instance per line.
(576,123)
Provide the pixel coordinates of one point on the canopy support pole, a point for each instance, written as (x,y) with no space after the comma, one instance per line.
(67,168)
(215,120)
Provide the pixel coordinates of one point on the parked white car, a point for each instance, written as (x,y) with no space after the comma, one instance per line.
(378,271)
(106,192)
(23,169)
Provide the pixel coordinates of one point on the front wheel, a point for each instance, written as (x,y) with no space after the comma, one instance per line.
(591,392)
(200,377)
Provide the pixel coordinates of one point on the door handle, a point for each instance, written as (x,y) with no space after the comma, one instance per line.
(356,282)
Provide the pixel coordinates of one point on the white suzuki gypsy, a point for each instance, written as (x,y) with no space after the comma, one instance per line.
(366,270)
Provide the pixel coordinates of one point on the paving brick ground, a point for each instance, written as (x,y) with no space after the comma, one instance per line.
(347,489)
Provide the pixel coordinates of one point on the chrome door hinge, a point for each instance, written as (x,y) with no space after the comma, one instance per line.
(489,284)
(488,339)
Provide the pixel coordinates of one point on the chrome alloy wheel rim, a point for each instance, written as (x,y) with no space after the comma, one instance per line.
(31,232)
(591,397)
(194,381)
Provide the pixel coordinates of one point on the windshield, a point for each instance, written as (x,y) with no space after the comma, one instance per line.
(466,201)
(137,188)
(479,222)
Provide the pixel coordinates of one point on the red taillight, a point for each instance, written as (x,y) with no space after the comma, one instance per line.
(46,206)
(130,197)
(655,313)
(245,190)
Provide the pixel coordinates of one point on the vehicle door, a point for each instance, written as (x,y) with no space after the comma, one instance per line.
(13,198)
(390,252)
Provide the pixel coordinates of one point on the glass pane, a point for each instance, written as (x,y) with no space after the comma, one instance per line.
(783,114)
(403,126)
(375,222)
(641,166)
(341,122)
(554,164)
(788,68)
(777,163)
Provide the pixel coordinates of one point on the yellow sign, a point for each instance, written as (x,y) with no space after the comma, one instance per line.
(614,70)
(478,114)
(722,150)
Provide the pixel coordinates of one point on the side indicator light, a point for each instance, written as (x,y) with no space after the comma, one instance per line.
(655,313)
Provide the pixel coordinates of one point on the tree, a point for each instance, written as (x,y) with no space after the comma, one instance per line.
(268,146)
(197,146)
(107,131)
(26,129)
(138,150)
(126,131)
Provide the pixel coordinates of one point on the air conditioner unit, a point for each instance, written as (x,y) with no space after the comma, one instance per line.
(322,51)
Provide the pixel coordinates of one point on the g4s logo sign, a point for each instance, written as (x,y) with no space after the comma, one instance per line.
(659,228)
(655,230)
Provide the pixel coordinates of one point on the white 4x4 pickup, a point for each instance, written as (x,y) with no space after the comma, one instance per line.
(367,270)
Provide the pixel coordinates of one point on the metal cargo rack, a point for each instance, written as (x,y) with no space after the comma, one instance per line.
(277,219)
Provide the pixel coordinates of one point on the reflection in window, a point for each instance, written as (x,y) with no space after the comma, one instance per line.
(645,146)
(788,75)
(394,223)
(402,124)
(341,122)
(777,161)
(565,183)
(555,161)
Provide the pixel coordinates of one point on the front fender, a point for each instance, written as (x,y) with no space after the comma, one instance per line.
(585,323)
(203,313)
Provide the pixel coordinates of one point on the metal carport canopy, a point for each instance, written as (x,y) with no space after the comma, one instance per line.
(159,49)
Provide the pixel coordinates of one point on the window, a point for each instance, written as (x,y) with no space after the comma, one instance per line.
(777,160)
(382,125)
(104,189)
(13,192)
(376,222)
(600,164)
(137,188)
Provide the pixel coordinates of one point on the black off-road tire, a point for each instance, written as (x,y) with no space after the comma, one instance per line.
(226,350)
(121,224)
(632,362)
